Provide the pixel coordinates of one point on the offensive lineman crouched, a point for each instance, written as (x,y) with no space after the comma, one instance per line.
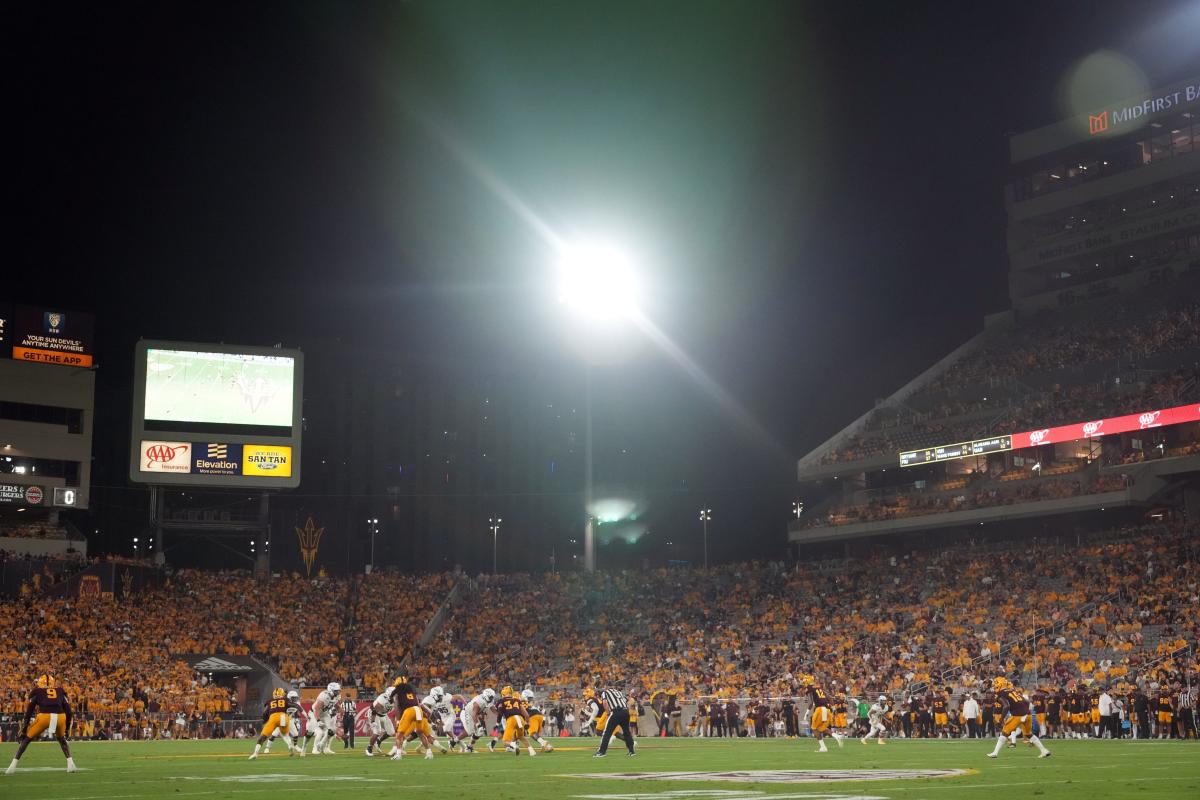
(474,717)
(276,720)
(53,713)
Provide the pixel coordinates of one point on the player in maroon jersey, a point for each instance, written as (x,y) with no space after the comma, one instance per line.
(48,709)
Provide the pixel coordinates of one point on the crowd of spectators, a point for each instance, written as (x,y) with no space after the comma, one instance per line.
(1004,493)
(881,623)
(32,530)
(1039,349)
(389,614)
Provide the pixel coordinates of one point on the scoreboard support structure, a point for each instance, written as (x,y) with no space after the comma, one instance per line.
(213,528)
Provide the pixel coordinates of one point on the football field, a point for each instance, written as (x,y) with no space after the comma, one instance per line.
(712,769)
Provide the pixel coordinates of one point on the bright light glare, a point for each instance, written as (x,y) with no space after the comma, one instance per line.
(597,280)
(613,509)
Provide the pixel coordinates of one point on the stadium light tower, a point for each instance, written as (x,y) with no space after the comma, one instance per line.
(494,527)
(374,523)
(705,516)
(597,283)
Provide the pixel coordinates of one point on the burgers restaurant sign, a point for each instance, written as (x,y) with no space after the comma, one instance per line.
(1114,119)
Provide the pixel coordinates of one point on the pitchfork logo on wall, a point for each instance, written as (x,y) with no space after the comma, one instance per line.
(310,539)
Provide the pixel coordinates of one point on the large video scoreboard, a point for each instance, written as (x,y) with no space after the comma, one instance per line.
(217,416)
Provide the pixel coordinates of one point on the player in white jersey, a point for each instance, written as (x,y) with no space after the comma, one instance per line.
(875,717)
(321,719)
(474,717)
(382,725)
(437,706)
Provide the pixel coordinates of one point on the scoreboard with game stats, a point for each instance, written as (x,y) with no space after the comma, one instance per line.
(949,452)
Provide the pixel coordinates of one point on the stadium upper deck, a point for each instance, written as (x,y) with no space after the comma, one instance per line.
(1104,252)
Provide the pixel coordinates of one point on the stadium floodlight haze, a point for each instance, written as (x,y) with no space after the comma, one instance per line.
(597,284)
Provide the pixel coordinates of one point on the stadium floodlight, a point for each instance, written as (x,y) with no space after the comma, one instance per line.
(374,523)
(598,284)
(597,281)
(494,527)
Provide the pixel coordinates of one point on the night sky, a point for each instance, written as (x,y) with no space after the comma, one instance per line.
(814,191)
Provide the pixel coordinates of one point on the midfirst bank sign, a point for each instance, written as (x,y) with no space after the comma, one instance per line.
(1116,119)
(1108,119)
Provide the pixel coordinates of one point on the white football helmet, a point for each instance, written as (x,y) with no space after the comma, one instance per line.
(527,696)
(293,695)
(437,693)
(883,698)
(334,687)
(389,691)
(489,695)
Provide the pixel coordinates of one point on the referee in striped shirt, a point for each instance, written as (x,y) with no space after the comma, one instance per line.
(348,710)
(614,702)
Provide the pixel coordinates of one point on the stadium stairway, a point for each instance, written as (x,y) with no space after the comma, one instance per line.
(439,618)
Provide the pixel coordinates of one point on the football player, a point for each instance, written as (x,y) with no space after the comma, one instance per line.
(1019,717)
(593,714)
(514,720)
(457,704)
(940,706)
(48,710)
(535,721)
(381,722)
(410,719)
(875,716)
(275,718)
(474,717)
(506,692)
(821,718)
(437,705)
(296,715)
(291,735)
(321,719)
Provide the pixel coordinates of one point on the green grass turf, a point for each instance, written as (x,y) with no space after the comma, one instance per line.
(1094,770)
